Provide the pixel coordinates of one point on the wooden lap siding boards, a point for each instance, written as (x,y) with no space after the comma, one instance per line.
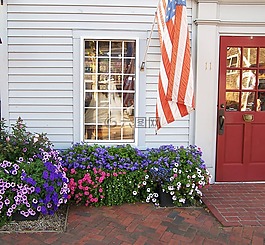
(41,69)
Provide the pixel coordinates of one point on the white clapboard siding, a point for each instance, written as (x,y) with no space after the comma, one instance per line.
(41,62)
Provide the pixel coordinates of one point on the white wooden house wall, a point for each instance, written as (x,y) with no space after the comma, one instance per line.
(43,50)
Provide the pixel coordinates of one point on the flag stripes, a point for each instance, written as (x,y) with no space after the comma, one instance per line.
(175,83)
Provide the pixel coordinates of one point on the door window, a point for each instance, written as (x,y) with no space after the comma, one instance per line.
(245,79)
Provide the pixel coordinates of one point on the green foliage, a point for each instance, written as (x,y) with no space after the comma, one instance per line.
(18,142)
(101,175)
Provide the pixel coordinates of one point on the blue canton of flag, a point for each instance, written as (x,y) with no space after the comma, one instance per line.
(171,8)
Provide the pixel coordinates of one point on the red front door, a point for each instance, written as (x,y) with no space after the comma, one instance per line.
(241,110)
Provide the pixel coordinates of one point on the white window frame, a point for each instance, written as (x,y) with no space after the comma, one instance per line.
(137,89)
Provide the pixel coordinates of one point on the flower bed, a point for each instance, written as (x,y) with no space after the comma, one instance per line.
(34,177)
(102,175)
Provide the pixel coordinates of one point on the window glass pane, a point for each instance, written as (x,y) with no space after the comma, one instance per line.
(128,131)
(233,57)
(249,57)
(103,65)
(129,49)
(90,132)
(103,133)
(90,99)
(103,116)
(90,115)
(232,79)
(115,115)
(116,66)
(248,79)
(248,101)
(90,65)
(115,99)
(103,99)
(115,82)
(128,83)
(90,48)
(103,82)
(103,48)
(128,99)
(116,49)
(129,66)
(90,82)
(115,133)
(232,101)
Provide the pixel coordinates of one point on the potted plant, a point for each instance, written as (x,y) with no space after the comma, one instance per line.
(179,172)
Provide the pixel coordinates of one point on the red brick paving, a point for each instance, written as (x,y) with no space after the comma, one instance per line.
(144,224)
(240,204)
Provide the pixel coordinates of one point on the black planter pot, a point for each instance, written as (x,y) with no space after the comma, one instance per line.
(19,217)
(165,199)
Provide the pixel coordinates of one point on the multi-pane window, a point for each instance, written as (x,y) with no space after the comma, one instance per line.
(109,90)
(245,79)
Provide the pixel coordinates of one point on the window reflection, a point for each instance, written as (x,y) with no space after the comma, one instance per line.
(109,84)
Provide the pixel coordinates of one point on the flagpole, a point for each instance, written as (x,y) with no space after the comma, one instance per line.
(148,44)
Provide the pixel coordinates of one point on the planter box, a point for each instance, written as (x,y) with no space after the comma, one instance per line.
(165,199)
(19,217)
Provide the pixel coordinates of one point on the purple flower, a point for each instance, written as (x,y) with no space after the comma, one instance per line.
(44,210)
(37,190)
(45,174)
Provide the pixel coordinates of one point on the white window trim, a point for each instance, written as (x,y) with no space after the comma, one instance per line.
(80,36)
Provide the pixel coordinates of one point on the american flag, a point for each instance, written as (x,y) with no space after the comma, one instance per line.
(175,84)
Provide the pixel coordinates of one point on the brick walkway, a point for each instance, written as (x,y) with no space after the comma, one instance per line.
(141,224)
(237,204)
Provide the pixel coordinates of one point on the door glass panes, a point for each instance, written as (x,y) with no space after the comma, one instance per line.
(232,79)
(245,79)
(249,57)
(262,57)
(233,57)
(248,79)
(248,101)
(232,101)
(109,90)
